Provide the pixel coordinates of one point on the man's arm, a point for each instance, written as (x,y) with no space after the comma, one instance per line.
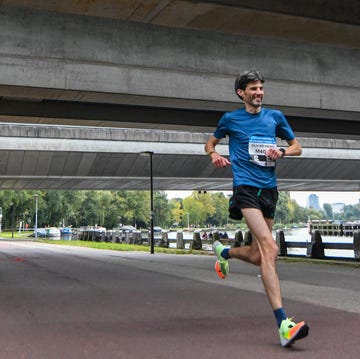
(294,149)
(216,159)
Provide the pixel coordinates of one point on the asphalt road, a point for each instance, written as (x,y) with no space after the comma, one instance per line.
(69,302)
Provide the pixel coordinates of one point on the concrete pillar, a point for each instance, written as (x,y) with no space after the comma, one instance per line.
(127,237)
(196,243)
(164,242)
(280,241)
(248,238)
(137,237)
(132,238)
(316,247)
(216,236)
(357,245)
(238,239)
(180,240)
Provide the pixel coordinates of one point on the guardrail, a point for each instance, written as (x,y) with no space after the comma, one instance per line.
(314,249)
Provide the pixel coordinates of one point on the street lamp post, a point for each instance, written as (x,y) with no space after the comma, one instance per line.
(36,196)
(150,155)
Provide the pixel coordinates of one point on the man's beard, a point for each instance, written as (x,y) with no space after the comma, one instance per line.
(256,102)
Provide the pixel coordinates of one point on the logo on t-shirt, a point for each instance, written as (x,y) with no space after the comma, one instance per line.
(258,145)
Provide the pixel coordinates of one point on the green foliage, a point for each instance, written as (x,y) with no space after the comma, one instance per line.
(328,211)
(177,213)
(16,235)
(221,204)
(288,211)
(349,213)
(110,208)
(162,210)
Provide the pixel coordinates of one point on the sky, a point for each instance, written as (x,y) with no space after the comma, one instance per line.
(299,197)
(327,197)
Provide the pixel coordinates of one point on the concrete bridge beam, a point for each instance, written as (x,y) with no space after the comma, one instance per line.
(53,157)
(84,55)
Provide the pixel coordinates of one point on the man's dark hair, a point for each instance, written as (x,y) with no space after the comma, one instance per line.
(247,76)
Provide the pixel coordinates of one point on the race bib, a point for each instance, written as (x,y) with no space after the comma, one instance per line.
(258,145)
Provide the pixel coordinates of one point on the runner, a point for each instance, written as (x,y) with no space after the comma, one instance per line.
(252,133)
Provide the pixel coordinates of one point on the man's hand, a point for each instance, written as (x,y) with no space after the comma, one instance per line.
(219,161)
(216,159)
(274,153)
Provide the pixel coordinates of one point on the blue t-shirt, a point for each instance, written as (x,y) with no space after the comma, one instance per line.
(250,135)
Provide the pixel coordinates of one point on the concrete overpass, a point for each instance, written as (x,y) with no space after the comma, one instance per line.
(108,158)
(169,66)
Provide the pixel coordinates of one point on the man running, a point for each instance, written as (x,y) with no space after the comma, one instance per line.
(252,133)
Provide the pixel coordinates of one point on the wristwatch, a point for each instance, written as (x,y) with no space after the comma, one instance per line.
(283,151)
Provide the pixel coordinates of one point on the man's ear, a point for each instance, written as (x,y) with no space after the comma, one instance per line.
(240,93)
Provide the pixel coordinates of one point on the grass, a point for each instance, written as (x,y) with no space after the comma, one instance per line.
(120,246)
(17,235)
(326,261)
(99,245)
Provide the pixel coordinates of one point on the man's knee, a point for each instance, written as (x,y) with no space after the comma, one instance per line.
(273,251)
(270,249)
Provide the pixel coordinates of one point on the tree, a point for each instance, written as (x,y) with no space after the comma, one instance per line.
(221,213)
(134,208)
(199,206)
(110,208)
(349,213)
(176,210)
(281,214)
(328,211)
(162,213)
(313,214)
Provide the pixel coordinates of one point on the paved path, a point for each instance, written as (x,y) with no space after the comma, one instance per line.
(68,302)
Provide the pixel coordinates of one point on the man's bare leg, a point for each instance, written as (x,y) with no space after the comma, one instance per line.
(250,254)
(264,252)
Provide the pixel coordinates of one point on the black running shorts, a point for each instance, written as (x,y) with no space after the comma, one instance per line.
(264,199)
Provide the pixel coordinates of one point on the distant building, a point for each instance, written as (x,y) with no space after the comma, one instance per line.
(313,202)
(338,207)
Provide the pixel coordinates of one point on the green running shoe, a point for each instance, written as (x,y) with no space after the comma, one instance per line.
(221,265)
(290,332)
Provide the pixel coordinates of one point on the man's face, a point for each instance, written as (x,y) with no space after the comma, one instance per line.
(253,94)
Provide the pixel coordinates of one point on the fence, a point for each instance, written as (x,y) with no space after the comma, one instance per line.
(314,249)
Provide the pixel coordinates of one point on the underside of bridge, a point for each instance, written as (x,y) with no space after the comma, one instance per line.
(168,66)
